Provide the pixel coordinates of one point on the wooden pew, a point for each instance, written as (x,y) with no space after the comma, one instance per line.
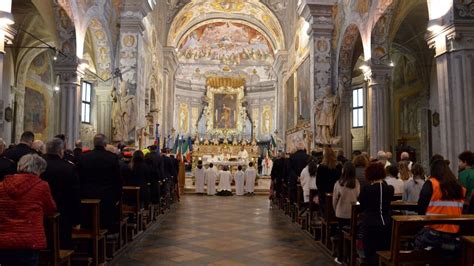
(131,207)
(350,236)
(468,250)
(90,233)
(406,227)
(328,220)
(54,255)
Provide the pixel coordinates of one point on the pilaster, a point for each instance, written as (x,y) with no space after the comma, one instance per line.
(280,66)
(169,70)
(452,37)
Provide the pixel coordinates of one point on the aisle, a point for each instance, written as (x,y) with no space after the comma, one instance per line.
(234,230)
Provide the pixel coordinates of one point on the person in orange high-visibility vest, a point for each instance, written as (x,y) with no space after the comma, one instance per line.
(442,194)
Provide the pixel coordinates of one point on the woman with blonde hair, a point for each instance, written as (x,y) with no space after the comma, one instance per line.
(329,171)
(404,172)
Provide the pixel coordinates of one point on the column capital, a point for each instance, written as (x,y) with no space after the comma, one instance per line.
(170,58)
(320,16)
(68,73)
(134,11)
(378,75)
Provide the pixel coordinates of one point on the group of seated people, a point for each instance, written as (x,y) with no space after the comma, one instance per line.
(244,180)
(35,183)
(374,183)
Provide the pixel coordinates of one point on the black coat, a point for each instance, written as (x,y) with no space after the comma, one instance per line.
(279,170)
(99,175)
(154,161)
(298,161)
(63,181)
(18,151)
(7,167)
(140,177)
(168,168)
(326,178)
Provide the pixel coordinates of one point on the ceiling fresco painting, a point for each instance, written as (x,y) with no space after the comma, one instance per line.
(227,43)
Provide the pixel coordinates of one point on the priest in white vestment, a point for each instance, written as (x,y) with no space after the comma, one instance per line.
(267,165)
(250,176)
(210,177)
(239,178)
(243,155)
(224,180)
(199,174)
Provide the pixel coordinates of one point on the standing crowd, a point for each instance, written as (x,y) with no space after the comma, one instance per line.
(38,180)
(374,183)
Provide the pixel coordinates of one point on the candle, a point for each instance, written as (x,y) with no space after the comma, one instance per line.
(299,103)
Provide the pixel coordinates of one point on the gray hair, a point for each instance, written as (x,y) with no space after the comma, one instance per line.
(381,155)
(31,164)
(54,146)
(100,140)
(38,145)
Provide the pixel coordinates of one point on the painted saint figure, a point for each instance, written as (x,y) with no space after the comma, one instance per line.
(224,120)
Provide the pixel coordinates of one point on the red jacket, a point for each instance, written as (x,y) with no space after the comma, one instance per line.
(24,201)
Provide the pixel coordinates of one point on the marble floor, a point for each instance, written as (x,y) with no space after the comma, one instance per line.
(202,230)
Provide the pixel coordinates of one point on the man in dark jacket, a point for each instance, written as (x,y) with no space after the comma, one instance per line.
(23,148)
(278,174)
(99,175)
(68,154)
(64,184)
(298,161)
(167,171)
(154,161)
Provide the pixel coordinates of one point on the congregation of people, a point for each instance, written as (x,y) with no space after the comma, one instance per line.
(374,183)
(39,179)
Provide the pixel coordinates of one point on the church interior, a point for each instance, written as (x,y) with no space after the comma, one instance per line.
(237,85)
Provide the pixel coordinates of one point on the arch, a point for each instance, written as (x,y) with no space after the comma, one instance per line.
(380,43)
(100,36)
(250,11)
(347,46)
(66,32)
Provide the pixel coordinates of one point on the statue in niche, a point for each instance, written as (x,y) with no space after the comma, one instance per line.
(123,113)
(326,111)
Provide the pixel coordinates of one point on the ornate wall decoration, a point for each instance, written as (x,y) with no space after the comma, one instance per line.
(346,51)
(322,62)
(35,118)
(101,48)
(464,9)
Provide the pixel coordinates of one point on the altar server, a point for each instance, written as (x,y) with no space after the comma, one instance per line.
(199,173)
(211,176)
(239,178)
(224,182)
(250,175)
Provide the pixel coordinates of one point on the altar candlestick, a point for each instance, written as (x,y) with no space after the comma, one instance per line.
(299,103)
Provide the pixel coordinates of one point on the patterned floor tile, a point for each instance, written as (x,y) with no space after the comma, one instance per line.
(224,231)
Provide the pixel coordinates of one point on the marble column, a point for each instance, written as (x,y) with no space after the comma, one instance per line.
(70,101)
(344,121)
(453,42)
(378,110)
(131,59)
(169,70)
(7,34)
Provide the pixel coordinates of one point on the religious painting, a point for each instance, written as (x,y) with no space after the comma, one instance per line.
(225,110)
(35,111)
(225,113)
(266,120)
(225,42)
(183,122)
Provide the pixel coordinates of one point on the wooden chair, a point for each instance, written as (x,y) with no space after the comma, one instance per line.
(131,207)
(406,227)
(90,233)
(54,255)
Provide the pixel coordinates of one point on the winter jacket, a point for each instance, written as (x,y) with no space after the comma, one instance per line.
(24,201)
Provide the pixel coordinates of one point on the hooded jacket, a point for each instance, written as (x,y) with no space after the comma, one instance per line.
(24,201)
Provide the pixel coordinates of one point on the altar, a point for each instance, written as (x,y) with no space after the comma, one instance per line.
(224,154)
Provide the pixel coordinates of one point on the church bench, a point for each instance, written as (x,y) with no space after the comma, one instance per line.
(328,221)
(404,229)
(115,242)
(313,221)
(54,255)
(90,239)
(350,234)
(468,250)
(131,208)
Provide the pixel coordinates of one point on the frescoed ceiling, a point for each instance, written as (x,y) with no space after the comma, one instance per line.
(252,11)
(225,42)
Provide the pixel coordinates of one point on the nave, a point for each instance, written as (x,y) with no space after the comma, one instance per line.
(202,230)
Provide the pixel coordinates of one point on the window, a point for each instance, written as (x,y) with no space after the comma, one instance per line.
(86,102)
(358,108)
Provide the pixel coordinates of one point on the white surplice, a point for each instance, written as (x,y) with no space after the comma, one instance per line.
(224,181)
(199,175)
(211,176)
(250,175)
(239,178)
